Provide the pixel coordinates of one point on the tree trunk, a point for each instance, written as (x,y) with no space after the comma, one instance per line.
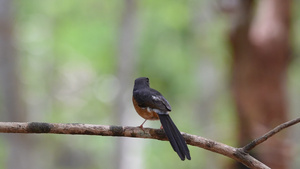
(20,149)
(261,53)
(127,150)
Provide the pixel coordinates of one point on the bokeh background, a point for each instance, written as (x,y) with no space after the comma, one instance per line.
(75,61)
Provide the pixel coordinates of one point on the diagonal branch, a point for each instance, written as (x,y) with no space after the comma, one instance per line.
(269,134)
(126,131)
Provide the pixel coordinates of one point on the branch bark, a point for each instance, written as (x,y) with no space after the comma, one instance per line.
(126,131)
(239,154)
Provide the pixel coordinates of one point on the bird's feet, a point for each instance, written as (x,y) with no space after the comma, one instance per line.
(141,127)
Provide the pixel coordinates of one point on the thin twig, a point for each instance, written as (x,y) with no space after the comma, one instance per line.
(127,131)
(269,134)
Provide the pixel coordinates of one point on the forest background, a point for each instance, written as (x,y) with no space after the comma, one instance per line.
(75,61)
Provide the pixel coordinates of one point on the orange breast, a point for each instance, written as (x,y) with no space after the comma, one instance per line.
(145,113)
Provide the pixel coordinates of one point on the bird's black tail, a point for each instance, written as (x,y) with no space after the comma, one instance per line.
(176,139)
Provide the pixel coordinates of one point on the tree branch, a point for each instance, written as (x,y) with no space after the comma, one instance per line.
(126,131)
(269,134)
(239,154)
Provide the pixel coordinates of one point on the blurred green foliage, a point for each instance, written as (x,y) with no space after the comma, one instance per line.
(68,60)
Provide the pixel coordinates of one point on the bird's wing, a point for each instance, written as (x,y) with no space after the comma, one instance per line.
(152,99)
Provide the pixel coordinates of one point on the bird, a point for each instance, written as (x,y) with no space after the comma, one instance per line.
(152,105)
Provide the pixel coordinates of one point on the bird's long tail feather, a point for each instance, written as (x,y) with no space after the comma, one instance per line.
(176,139)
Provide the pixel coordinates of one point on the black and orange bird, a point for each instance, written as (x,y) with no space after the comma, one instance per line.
(151,105)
